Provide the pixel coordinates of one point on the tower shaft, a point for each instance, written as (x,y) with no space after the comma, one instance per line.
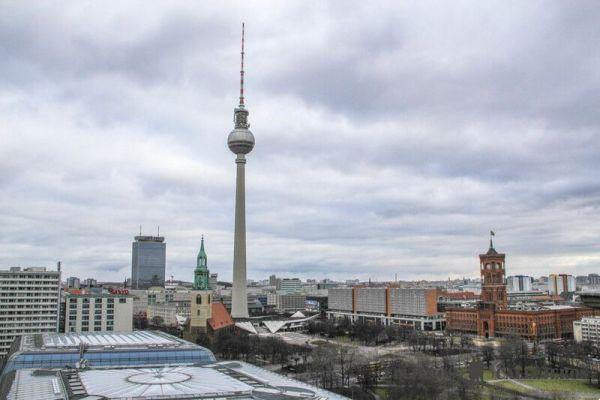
(239,300)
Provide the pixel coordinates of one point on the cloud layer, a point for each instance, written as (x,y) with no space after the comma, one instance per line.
(389,137)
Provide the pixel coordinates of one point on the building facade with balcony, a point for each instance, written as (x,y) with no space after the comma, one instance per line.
(29,303)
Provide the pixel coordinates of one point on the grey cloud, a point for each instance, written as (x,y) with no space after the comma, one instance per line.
(390,138)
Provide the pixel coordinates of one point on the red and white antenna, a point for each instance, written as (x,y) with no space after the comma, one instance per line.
(242,71)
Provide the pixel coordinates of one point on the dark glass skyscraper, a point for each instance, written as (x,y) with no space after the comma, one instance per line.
(148,262)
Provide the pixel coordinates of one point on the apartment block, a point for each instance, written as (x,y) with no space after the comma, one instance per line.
(370,300)
(29,303)
(587,330)
(388,305)
(341,299)
(290,302)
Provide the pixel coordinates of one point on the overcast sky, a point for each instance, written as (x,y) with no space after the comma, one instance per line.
(390,138)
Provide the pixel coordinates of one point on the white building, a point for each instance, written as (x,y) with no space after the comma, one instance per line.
(519,283)
(561,283)
(588,329)
(29,303)
(98,312)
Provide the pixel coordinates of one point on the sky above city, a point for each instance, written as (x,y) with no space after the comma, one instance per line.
(390,136)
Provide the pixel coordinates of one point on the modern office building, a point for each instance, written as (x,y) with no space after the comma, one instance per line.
(148,262)
(519,283)
(29,303)
(561,283)
(388,305)
(491,316)
(73,282)
(92,312)
(240,142)
(587,329)
(290,285)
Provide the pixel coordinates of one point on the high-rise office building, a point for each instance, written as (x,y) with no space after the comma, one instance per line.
(518,283)
(148,262)
(240,142)
(29,303)
(73,282)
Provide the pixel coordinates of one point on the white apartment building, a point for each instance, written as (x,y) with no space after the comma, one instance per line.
(29,303)
(98,312)
(588,329)
(519,283)
(558,284)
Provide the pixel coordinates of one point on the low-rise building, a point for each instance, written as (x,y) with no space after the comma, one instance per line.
(92,312)
(587,330)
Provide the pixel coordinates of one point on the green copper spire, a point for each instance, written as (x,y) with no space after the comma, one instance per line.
(201,271)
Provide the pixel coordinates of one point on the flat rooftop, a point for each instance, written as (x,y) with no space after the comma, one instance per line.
(126,340)
(223,380)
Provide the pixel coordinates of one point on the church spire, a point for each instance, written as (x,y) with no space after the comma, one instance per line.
(201,271)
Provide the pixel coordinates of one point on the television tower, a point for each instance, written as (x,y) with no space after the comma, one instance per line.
(240,142)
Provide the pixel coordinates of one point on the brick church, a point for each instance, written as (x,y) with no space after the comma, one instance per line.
(492,317)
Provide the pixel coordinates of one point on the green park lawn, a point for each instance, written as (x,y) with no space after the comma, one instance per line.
(561,385)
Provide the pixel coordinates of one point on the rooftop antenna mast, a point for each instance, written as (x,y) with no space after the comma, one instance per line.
(158,231)
(242,71)
(140,230)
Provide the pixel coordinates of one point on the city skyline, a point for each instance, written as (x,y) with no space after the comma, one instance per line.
(388,148)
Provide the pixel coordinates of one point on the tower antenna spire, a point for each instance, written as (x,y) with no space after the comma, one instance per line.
(242,71)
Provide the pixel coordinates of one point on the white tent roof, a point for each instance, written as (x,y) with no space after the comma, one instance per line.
(298,314)
(247,326)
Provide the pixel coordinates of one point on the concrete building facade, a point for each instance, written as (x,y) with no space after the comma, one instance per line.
(587,329)
(98,312)
(290,301)
(519,283)
(388,305)
(241,142)
(561,283)
(29,303)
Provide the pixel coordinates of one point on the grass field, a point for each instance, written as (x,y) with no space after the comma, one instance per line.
(561,385)
(512,386)
(488,375)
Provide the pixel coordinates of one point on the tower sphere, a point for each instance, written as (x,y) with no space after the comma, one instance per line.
(240,141)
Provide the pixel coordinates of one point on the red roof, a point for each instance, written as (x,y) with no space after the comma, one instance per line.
(220,317)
